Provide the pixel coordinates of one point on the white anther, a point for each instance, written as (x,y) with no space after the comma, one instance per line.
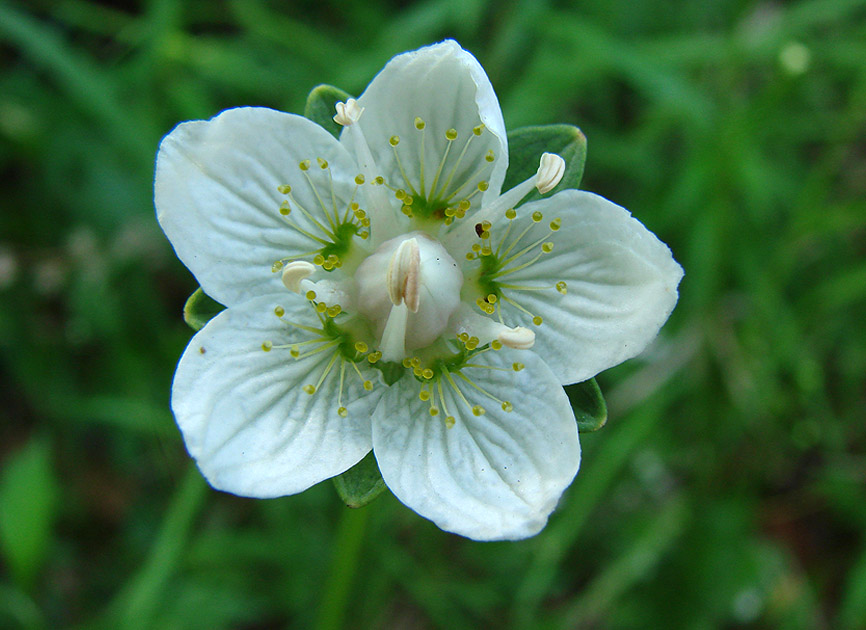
(296,271)
(402,275)
(348,113)
(519,338)
(550,171)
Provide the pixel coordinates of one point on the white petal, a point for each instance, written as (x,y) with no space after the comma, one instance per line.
(245,419)
(621,285)
(217,200)
(497,476)
(446,87)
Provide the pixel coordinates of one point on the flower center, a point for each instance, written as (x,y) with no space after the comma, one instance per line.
(408,289)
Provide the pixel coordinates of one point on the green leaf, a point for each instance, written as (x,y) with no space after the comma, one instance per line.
(360,484)
(590,410)
(525,146)
(28,504)
(199,309)
(320,106)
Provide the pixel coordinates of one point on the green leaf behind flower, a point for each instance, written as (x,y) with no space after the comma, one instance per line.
(590,410)
(361,483)
(199,309)
(525,146)
(320,106)
(29,495)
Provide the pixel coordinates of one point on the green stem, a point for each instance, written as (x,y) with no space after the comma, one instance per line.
(344,565)
(138,603)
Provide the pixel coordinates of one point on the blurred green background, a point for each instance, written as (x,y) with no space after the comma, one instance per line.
(728,489)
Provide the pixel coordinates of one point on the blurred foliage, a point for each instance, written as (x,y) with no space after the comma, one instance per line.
(727,489)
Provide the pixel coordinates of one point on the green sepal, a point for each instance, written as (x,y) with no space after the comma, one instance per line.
(361,483)
(525,146)
(590,410)
(199,309)
(320,107)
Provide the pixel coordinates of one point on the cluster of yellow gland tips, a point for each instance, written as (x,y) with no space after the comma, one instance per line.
(446,199)
(433,382)
(498,262)
(327,224)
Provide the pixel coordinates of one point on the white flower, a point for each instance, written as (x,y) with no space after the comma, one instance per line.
(395,244)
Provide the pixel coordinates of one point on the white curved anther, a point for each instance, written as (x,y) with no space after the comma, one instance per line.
(551,168)
(519,338)
(348,113)
(402,275)
(296,271)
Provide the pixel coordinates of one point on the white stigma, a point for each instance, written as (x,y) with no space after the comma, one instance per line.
(551,168)
(348,113)
(295,272)
(519,338)
(402,276)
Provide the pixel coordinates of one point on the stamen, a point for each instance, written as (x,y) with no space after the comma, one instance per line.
(295,272)
(402,276)
(348,113)
(519,338)
(550,171)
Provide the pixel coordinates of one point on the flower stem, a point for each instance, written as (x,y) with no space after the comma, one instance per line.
(344,564)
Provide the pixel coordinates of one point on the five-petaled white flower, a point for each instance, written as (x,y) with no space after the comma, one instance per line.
(394,247)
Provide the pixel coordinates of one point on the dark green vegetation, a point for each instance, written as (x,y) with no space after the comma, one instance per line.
(727,488)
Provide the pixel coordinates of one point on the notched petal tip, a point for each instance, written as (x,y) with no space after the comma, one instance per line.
(551,168)
(295,272)
(348,113)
